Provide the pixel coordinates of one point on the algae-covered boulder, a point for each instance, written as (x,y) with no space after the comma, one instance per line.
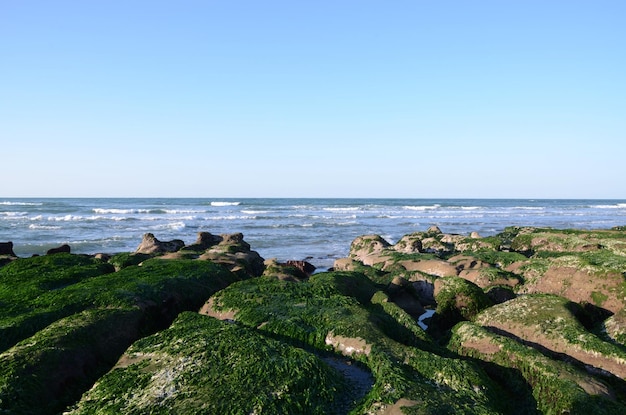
(344,311)
(458,299)
(550,322)
(368,249)
(235,254)
(201,365)
(557,387)
(66,319)
(290,270)
(615,327)
(49,370)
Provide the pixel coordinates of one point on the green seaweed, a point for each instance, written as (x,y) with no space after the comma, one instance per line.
(203,365)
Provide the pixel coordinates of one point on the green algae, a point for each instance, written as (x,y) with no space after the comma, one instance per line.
(321,313)
(203,365)
(49,370)
(67,327)
(558,387)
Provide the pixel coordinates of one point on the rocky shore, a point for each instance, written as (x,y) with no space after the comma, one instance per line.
(529,321)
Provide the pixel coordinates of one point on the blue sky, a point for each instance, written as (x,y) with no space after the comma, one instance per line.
(313,98)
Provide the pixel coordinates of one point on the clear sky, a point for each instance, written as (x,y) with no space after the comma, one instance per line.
(352,98)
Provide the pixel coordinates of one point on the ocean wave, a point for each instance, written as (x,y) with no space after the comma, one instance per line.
(225,203)
(254,212)
(170,226)
(112,211)
(43,227)
(427,207)
(229,217)
(470,207)
(182,211)
(616,206)
(341,209)
(13,214)
(6,203)
(66,218)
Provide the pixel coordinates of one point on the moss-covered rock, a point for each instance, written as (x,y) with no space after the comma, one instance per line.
(557,387)
(458,299)
(201,365)
(59,320)
(345,312)
(550,322)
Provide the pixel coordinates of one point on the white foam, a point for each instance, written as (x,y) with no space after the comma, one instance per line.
(616,206)
(182,211)
(104,211)
(66,218)
(20,204)
(341,209)
(172,225)
(13,214)
(225,203)
(229,217)
(43,227)
(421,208)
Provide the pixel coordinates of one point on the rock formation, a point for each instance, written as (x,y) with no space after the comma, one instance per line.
(6,248)
(151,245)
(529,321)
(59,250)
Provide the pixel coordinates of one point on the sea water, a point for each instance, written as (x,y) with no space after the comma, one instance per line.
(317,230)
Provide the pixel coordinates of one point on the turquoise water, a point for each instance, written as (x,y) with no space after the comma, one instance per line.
(319,230)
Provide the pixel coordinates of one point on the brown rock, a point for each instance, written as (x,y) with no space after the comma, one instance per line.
(307,268)
(436,267)
(204,241)
(151,245)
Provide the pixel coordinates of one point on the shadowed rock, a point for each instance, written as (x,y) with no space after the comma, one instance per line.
(65,248)
(6,248)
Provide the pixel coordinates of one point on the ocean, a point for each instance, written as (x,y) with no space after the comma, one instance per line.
(317,230)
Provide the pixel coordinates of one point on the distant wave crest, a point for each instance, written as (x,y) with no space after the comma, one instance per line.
(427,207)
(616,206)
(104,211)
(225,203)
(6,203)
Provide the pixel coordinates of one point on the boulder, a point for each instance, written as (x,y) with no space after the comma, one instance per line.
(434,229)
(550,322)
(409,244)
(369,249)
(65,248)
(288,271)
(234,253)
(6,248)
(204,241)
(151,245)
(305,267)
(401,293)
(437,267)
(346,264)
(457,300)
